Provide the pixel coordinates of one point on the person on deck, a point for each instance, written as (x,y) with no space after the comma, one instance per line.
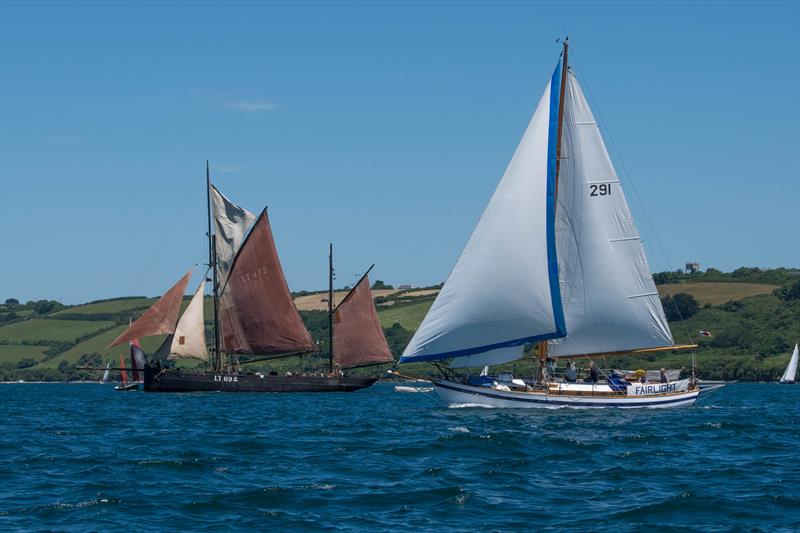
(571,374)
(594,373)
(664,378)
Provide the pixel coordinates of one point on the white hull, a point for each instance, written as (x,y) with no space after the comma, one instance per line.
(460,394)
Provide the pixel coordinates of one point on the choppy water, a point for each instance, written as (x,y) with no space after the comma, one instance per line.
(78,457)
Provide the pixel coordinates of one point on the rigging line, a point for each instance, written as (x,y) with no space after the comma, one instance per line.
(635,190)
(160,249)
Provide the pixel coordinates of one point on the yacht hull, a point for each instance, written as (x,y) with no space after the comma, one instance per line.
(460,394)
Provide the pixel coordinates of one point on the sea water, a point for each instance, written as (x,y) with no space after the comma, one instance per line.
(77,457)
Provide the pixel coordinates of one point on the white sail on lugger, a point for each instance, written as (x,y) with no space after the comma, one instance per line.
(791,370)
(610,301)
(231,222)
(189,339)
(503,291)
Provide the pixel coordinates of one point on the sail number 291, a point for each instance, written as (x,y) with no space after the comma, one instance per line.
(601,189)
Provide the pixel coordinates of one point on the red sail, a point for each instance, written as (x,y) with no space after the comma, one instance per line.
(257,313)
(357,335)
(162,316)
(122,374)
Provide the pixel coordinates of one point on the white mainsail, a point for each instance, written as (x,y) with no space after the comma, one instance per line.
(189,339)
(503,291)
(105,374)
(791,370)
(231,223)
(609,299)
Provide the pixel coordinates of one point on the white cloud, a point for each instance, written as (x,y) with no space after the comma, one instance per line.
(250,106)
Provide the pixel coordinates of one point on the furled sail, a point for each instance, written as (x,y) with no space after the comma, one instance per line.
(160,318)
(189,339)
(791,369)
(503,291)
(231,223)
(256,309)
(357,334)
(610,301)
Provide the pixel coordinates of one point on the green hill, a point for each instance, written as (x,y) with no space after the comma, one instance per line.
(753,317)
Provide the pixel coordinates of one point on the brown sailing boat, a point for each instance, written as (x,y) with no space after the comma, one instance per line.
(254,315)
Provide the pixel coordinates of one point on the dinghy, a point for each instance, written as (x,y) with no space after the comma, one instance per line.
(791,369)
(555,260)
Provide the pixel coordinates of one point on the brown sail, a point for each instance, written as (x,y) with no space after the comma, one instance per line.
(357,335)
(257,313)
(162,317)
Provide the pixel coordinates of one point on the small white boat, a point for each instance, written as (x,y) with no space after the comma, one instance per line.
(791,369)
(105,374)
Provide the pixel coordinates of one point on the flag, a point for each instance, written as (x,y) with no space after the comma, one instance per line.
(705,333)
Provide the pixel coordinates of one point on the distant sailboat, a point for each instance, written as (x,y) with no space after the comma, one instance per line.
(104,379)
(254,314)
(123,376)
(555,260)
(791,369)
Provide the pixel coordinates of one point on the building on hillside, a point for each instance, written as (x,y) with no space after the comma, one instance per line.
(404,287)
(691,268)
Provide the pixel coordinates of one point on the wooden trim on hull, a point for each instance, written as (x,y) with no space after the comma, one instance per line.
(179,381)
(459,393)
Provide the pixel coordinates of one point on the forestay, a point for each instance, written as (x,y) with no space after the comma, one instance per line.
(503,291)
(609,298)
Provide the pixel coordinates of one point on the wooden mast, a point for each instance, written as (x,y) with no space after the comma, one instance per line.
(330,308)
(542,347)
(212,264)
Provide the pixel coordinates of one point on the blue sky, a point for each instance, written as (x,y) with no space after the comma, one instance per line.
(382,127)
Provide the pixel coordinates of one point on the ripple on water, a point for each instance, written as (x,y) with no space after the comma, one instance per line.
(380,460)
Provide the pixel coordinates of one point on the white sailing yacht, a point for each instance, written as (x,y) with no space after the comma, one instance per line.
(791,369)
(556,260)
(104,379)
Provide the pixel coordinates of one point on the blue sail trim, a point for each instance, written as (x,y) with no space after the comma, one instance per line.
(552,158)
(477,349)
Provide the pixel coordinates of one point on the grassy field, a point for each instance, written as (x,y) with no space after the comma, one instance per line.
(716,293)
(319,302)
(108,306)
(39,329)
(98,344)
(408,315)
(16,353)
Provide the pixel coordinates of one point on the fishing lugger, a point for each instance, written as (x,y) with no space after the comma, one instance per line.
(253,316)
(556,261)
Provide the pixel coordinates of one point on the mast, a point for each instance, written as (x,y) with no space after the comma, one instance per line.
(562,90)
(330,308)
(212,264)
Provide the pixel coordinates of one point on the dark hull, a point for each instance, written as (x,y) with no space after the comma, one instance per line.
(163,380)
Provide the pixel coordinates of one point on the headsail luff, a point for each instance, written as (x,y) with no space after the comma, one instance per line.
(160,318)
(189,339)
(231,223)
(610,301)
(257,313)
(358,336)
(503,291)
